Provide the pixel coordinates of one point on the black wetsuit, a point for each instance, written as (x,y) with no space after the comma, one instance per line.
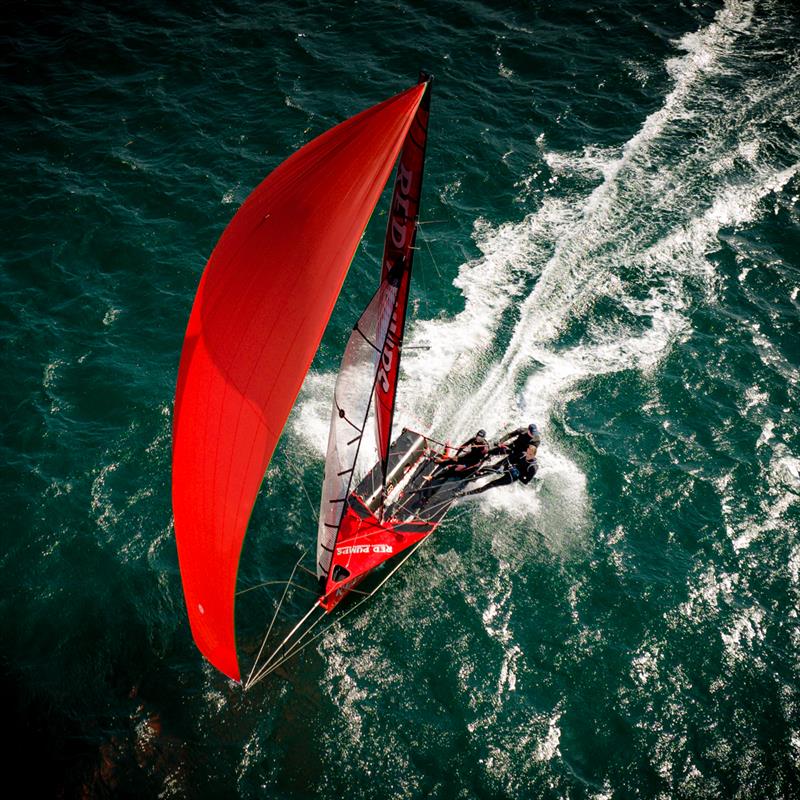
(469,457)
(521,442)
(470,454)
(520,469)
(515,466)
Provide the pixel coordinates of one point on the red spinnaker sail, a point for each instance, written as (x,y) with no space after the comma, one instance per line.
(263,302)
(398,256)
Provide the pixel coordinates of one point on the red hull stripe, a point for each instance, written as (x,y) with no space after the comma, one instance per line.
(363,544)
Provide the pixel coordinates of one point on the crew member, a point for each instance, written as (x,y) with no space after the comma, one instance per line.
(468,458)
(522,439)
(522,469)
(468,455)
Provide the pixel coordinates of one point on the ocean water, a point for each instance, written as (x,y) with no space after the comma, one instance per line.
(609,247)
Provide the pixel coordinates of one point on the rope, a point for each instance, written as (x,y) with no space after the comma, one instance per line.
(409,495)
(274,617)
(309,571)
(435,265)
(298,648)
(266,669)
(431,439)
(272,583)
(314,511)
(436,506)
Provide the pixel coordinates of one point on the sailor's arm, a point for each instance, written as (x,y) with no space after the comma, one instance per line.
(466,445)
(511,435)
(501,446)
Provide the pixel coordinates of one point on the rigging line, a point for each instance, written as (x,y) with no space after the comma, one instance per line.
(295,649)
(401,509)
(300,480)
(436,506)
(441,444)
(268,669)
(434,484)
(264,669)
(409,495)
(425,292)
(433,260)
(298,646)
(271,583)
(275,616)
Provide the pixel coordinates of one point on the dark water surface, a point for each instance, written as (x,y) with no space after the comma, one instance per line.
(610,248)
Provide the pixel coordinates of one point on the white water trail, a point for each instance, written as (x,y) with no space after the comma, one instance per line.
(638,242)
(595,237)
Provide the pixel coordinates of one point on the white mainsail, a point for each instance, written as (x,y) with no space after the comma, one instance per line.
(352,398)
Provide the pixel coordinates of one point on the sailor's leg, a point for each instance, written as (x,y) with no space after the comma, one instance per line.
(503,480)
(490,469)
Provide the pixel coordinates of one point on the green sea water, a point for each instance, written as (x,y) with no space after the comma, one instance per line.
(609,247)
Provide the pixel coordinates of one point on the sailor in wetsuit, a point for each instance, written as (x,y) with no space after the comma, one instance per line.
(521,469)
(523,438)
(519,462)
(469,456)
(464,464)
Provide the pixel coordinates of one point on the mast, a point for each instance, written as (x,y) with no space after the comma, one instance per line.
(398,259)
(369,367)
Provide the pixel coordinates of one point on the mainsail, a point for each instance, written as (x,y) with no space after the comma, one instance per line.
(262,305)
(351,404)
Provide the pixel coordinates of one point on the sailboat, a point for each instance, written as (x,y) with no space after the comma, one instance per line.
(264,300)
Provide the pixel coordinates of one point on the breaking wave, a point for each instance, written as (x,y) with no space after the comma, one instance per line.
(638,244)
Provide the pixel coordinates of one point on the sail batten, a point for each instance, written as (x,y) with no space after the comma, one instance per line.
(263,302)
(354,389)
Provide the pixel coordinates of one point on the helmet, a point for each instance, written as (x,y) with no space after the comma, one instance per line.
(481,433)
(532,429)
